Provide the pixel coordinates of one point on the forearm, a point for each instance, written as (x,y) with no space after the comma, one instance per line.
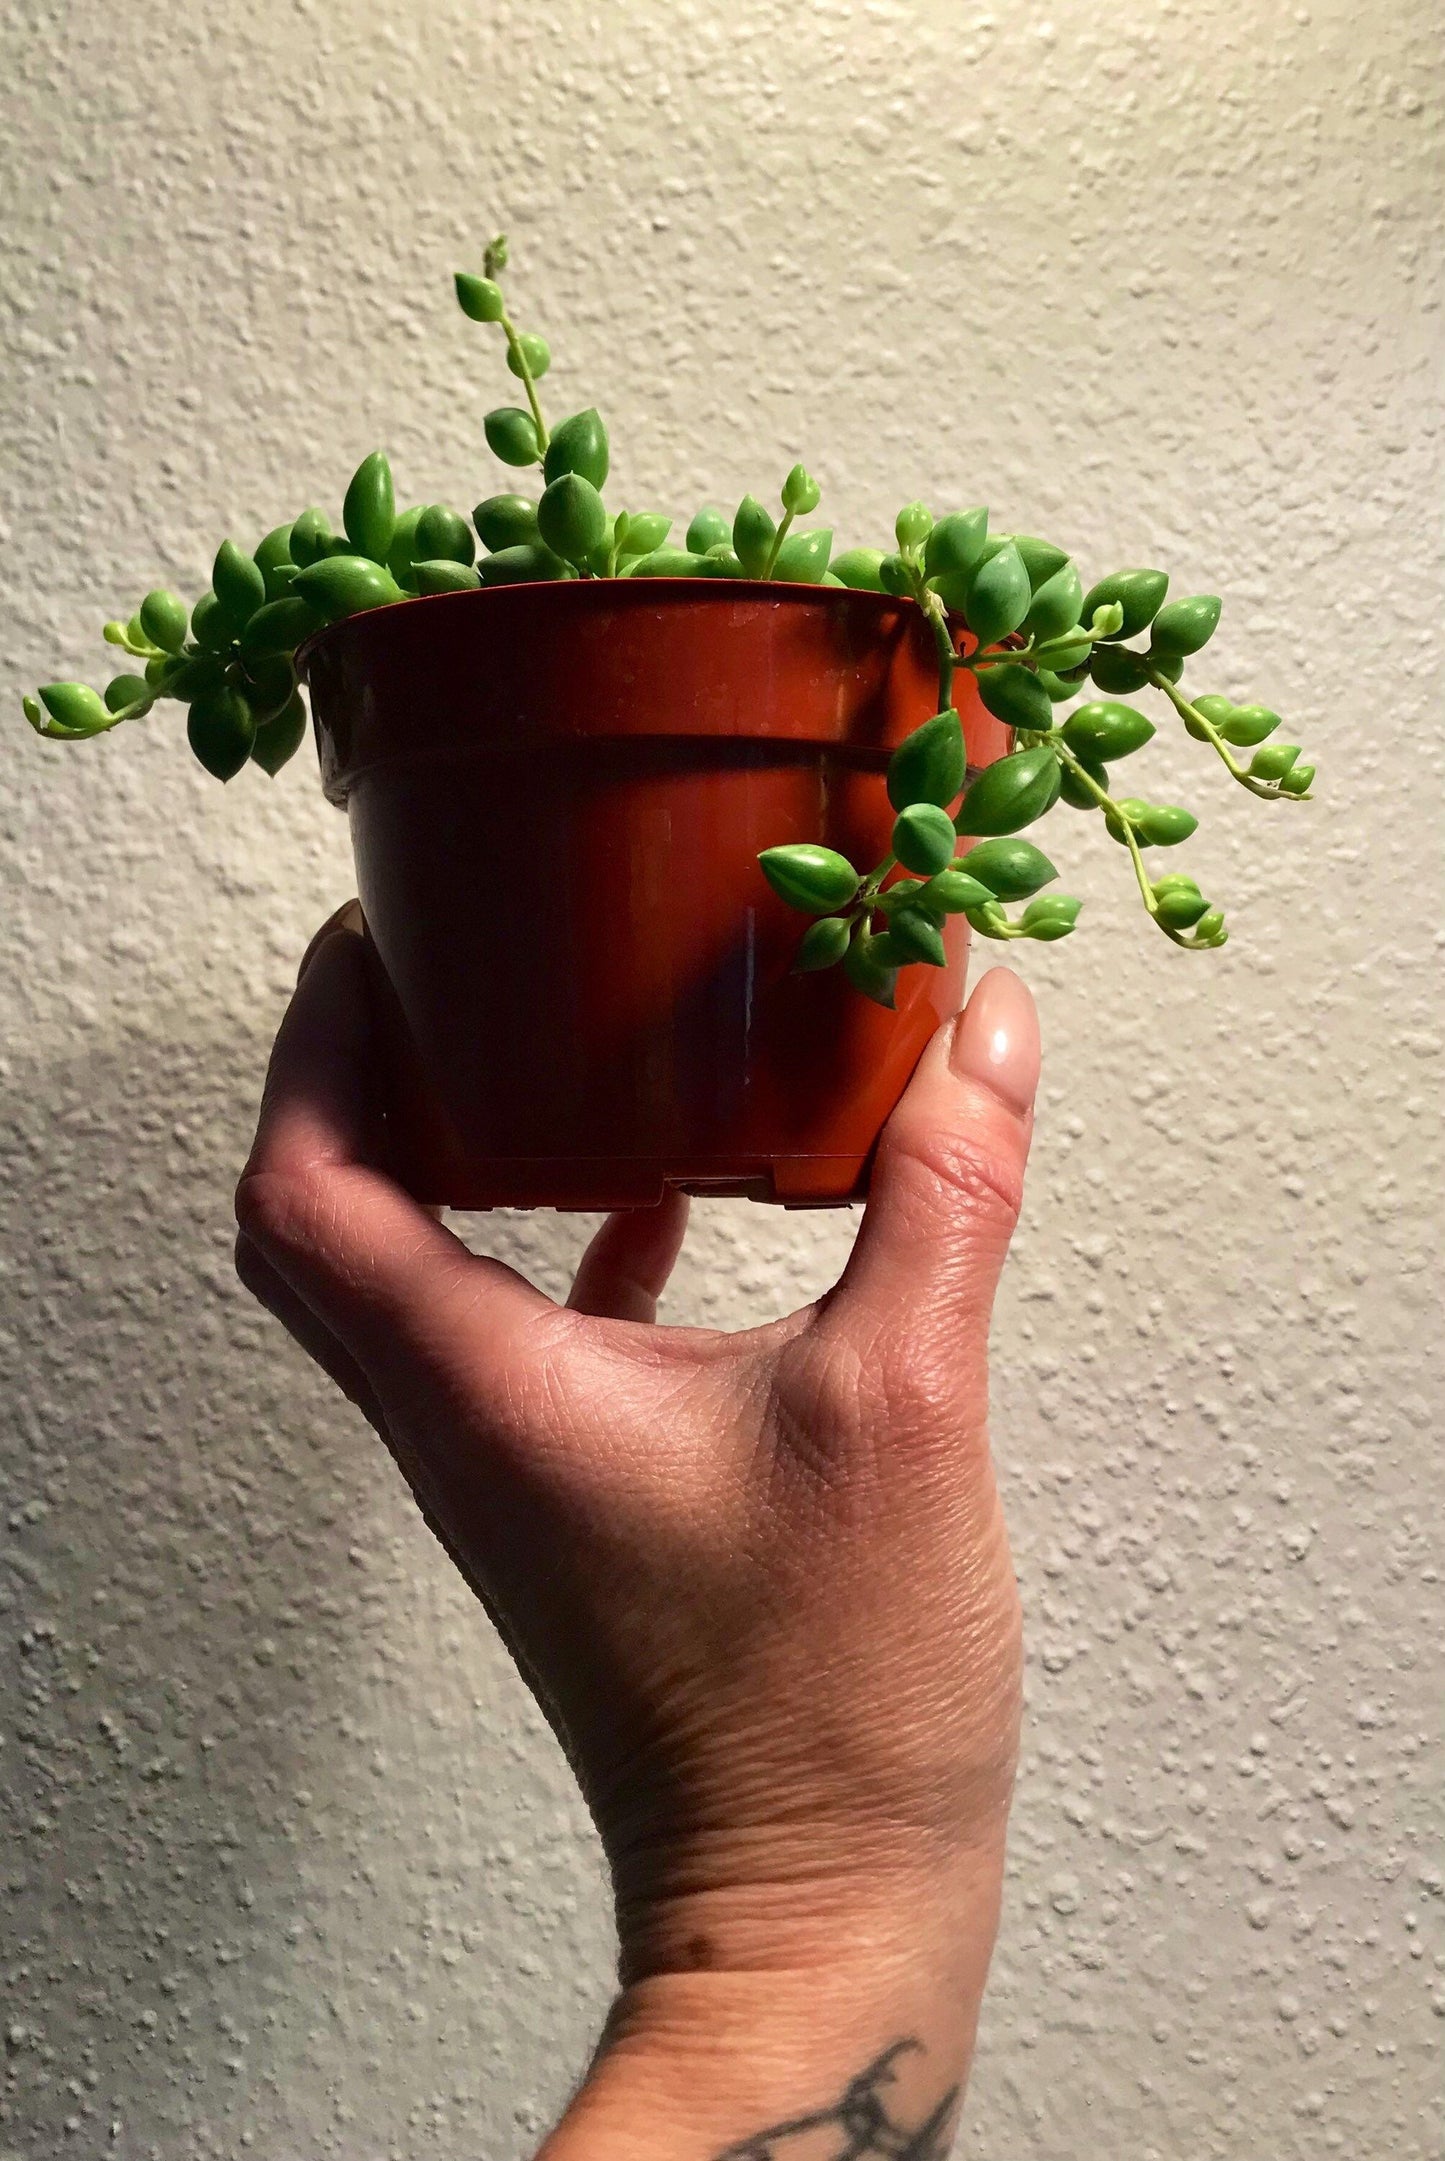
(857,2027)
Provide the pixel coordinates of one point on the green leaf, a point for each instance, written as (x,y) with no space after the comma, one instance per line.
(928,765)
(709,529)
(954,548)
(1072,789)
(1118,671)
(1055,606)
(912,526)
(894,577)
(161,671)
(571,517)
(866,971)
(1011,869)
(753,531)
(273,558)
(817,880)
(1058,656)
(526,564)
(342,585)
(270,684)
(578,445)
(505,521)
(998,596)
(479,298)
(1104,729)
(674,563)
(279,627)
(1050,917)
(1011,793)
(221,730)
(211,627)
(954,892)
(369,511)
(443,535)
(279,738)
(310,538)
(1297,780)
(1059,687)
(800,492)
(923,838)
(823,943)
(803,557)
(402,554)
(238,584)
(530,356)
(902,893)
(1178,906)
(990,921)
(197,674)
(1164,825)
(1273,760)
(1242,725)
(1184,626)
(1015,696)
(1139,593)
(858,567)
(646,532)
(916,936)
(512,436)
(443,575)
(165,619)
(1042,560)
(75,707)
(124,690)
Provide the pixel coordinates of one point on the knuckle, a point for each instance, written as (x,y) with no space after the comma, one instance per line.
(270,1209)
(960,1173)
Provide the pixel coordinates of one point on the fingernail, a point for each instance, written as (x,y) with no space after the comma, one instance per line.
(996,1039)
(347,917)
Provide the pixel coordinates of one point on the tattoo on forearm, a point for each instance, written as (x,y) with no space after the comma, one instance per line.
(861,2122)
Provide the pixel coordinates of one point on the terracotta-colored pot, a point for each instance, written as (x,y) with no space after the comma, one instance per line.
(557,796)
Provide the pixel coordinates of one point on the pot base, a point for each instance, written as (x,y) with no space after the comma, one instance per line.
(605,1183)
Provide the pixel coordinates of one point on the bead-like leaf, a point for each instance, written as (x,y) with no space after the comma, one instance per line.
(1011,869)
(928,765)
(369,511)
(1011,793)
(818,880)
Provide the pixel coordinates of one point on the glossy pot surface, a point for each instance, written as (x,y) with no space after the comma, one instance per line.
(557,795)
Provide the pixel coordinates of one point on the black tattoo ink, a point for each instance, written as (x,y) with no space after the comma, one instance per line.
(861,2120)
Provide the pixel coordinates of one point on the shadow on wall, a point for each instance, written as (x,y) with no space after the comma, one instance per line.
(265,1765)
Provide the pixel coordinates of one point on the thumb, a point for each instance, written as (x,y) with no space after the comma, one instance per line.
(948,1179)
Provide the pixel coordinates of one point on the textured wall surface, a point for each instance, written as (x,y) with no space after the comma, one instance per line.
(289,1863)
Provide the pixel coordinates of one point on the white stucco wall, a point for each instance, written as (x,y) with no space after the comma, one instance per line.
(289,1863)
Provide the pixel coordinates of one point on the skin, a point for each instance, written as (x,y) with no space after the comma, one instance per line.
(759,1583)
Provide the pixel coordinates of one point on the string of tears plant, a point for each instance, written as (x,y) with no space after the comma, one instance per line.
(1010,609)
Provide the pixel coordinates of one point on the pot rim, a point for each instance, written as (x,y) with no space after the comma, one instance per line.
(630,591)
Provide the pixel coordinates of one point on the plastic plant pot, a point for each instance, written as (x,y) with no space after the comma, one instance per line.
(557,796)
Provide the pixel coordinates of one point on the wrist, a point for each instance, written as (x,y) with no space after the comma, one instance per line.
(748,2015)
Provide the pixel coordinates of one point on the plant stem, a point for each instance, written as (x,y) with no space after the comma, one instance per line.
(867,892)
(1205,727)
(514,347)
(998,656)
(778,538)
(1106,803)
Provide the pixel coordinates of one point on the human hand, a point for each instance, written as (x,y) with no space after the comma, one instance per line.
(759,1583)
